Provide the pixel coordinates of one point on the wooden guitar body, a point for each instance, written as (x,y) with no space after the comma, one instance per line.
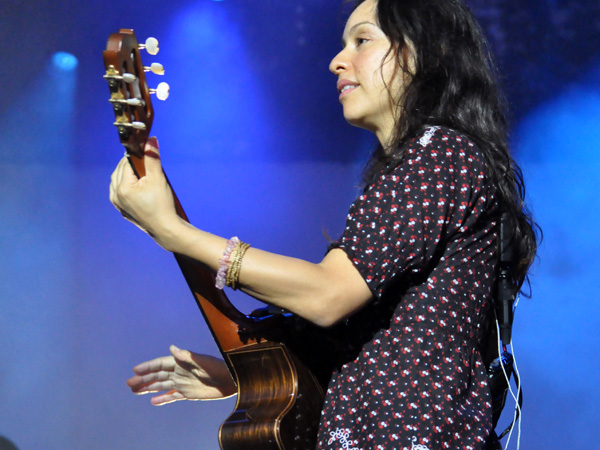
(280,385)
(277,400)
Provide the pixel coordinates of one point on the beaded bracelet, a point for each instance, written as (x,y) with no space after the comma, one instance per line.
(224,263)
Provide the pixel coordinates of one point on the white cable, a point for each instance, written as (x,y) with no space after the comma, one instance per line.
(500,353)
(517,377)
(517,411)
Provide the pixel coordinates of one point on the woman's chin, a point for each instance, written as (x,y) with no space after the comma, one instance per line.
(357,122)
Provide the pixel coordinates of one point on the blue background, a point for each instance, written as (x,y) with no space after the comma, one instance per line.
(255,145)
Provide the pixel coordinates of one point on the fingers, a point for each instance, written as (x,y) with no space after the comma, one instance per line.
(152,156)
(184,356)
(141,385)
(168,397)
(151,147)
(123,175)
(115,181)
(166,363)
(150,375)
(148,379)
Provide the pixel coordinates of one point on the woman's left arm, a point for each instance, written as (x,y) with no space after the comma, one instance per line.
(322,293)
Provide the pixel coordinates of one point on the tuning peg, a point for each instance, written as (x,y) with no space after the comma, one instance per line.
(151,46)
(127,77)
(129,101)
(161,91)
(134,125)
(156,68)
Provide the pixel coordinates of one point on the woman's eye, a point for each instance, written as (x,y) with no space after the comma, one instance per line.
(360,41)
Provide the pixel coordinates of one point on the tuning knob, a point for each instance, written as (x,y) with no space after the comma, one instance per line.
(151,46)
(128,101)
(126,77)
(161,91)
(138,125)
(135,125)
(129,78)
(156,68)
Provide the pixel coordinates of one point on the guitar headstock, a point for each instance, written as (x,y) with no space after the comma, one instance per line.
(129,92)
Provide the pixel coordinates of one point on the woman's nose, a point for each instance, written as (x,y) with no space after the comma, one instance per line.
(339,63)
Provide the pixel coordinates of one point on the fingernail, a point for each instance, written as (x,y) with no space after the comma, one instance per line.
(151,154)
(153,141)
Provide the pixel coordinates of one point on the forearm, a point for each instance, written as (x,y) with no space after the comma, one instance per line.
(322,293)
(302,287)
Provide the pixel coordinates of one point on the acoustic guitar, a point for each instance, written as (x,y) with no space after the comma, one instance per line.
(280,379)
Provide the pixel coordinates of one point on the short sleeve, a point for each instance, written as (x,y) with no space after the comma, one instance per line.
(406,218)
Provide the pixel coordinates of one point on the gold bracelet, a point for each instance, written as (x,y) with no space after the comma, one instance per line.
(233,274)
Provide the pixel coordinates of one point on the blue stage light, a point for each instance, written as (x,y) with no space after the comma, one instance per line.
(64,61)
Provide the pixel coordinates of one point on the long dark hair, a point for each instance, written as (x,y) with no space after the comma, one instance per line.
(454,85)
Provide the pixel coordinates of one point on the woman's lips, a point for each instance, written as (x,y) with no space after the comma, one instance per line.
(345,87)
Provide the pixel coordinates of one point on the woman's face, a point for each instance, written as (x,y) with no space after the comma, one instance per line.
(365,79)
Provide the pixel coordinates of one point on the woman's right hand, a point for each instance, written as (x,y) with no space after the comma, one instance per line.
(184,376)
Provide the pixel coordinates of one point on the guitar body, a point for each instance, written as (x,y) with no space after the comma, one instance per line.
(281,387)
(279,401)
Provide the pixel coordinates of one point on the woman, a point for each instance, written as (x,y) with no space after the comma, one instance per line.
(413,273)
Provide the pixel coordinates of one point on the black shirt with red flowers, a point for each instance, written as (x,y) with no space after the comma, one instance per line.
(423,236)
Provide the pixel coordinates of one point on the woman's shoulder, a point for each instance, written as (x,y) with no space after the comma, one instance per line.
(435,135)
(444,145)
(434,148)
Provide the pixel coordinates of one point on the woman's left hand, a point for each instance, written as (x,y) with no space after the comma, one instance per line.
(148,201)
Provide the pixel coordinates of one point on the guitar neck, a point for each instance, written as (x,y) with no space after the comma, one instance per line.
(222,318)
(132,107)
